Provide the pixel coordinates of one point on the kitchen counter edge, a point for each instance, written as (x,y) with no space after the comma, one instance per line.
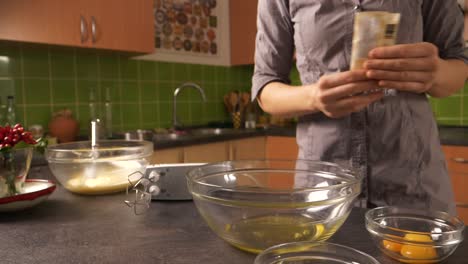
(449,135)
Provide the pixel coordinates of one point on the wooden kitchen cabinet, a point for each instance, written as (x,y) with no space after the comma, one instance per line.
(457,164)
(281,148)
(170,155)
(260,147)
(212,152)
(248,149)
(41,21)
(106,24)
(242,149)
(243,29)
(463,214)
(255,148)
(120,24)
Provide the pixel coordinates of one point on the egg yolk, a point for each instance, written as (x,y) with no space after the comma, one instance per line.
(418,238)
(392,246)
(418,252)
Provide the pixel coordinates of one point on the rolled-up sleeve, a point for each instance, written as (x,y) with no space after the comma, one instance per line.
(274,44)
(443,26)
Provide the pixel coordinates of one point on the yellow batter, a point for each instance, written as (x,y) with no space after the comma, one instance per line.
(102,178)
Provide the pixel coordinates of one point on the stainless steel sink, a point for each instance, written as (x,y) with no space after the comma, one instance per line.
(211,131)
(137,135)
(150,135)
(168,136)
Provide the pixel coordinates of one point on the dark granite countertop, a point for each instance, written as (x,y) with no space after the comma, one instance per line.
(232,135)
(69,228)
(205,139)
(449,135)
(453,135)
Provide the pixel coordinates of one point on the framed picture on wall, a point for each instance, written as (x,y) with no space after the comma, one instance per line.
(191,31)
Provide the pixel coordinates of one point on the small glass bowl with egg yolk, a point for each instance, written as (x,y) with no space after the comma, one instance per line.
(414,236)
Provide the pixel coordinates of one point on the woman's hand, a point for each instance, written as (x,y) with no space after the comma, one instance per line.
(336,95)
(407,67)
(340,94)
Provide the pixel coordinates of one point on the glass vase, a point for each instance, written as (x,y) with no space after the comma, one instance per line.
(14,167)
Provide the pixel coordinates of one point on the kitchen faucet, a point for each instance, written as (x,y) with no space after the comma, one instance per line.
(175,123)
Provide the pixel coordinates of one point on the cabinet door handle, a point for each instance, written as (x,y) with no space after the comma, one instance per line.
(182,157)
(460,160)
(93,29)
(234,153)
(83,29)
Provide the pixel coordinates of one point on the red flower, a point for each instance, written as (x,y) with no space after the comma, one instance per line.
(10,136)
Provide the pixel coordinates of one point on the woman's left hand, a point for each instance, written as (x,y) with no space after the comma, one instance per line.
(405,67)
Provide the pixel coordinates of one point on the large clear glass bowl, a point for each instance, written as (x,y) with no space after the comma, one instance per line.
(102,169)
(414,236)
(313,252)
(254,205)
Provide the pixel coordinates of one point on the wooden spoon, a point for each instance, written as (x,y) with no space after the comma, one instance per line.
(244,100)
(234,101)
(227,103)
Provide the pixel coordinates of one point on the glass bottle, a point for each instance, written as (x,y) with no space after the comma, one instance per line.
(92,105)
(2,112)
(108,114)
(10,116)
(97,130)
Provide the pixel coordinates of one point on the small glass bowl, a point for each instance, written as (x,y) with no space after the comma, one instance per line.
(310,252)
(414,236)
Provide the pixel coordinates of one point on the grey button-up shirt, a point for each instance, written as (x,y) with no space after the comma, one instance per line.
(394,143)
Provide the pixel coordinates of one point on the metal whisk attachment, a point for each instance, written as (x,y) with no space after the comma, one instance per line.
(144,188)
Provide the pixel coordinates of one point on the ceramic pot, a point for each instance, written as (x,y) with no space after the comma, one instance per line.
(64,126)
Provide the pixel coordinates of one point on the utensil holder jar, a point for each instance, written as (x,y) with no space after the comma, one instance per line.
(236,119)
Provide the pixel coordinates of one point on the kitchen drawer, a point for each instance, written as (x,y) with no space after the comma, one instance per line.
(460,186)
(457,159)
(463,214)
(281,148)
(172,155)
(213,152)
(248,149)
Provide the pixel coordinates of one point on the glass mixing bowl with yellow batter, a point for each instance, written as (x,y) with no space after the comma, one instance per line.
(254,205)
(101,169)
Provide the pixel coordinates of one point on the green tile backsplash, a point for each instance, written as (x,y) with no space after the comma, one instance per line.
(45,79)
(452,110)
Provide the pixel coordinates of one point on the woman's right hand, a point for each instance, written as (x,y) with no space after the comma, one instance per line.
(336,95)
(340,94)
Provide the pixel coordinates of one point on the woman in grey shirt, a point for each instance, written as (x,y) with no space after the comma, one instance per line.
(392,140)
